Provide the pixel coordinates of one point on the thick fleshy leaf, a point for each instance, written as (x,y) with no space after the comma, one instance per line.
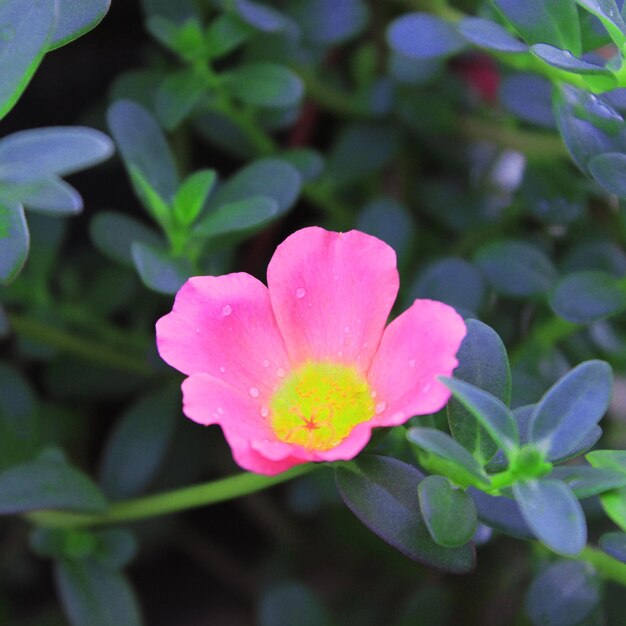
(309,163)
(290,603)
(382,493)
(178,94)
(501,514)
(609,14)
(262,17)
(588,296)
(492,414)
(449,513)
(329,22)
(14,242)
(490,35)
(158,269)
(44,484)
(424,36)
(609,170)
(614,544)
(225,34)
(193,194)
(586,481)
(42,152)
(240,217)
(143,146)
(113,233)
(28,29)
(272,178)
(52,196)
(95,595)
(483,362)
(516,268)
(137,445)
(544,21)
(529,97)
(264,84)
(571,408)
(461,466)
(453,281)
(564,594)
(553,514)
(77,17)
(613,502)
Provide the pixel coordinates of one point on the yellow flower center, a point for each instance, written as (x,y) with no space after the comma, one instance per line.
(319,404)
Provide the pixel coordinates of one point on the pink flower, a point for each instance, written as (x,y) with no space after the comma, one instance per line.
(303,369)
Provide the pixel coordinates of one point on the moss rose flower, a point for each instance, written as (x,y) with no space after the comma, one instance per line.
(303,369)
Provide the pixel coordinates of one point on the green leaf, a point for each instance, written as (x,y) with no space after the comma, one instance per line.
(588,296)
(544,21)
(115,548)
(449,513)
(264,84)
(14,242)
(158,269)
(587,481)
(42,485)
(290,603)
(613,502)
(516,268)
(571,408)
(113,233)
(382,493)
(458,464)
(192,195)
(553,514)
(225,34)
(614,544)
(308,162)
(185,39)
(271,177)
(483,362)
(564,594)
(240,217)
(143,147)
(262,17)
(40,153)
(52,196)
(138,444)
(150,198)
(77,17)
(95,595)
(492,414)
(24,39)
(177,96)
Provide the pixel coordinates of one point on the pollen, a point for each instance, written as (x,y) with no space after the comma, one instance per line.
(319,404)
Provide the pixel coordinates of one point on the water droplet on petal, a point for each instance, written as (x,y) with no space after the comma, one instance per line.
(380,407)
(347,330)
(197,330)
(373,395)
(220,410)
(222,369)
(265,411)
(340,353)
(426,387)
(280,372)
(254,392)
(300,293)
(412,363)
(227,310)
(266,363)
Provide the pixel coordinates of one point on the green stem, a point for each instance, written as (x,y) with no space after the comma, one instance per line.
(68,342)
(170,501)
(608,567)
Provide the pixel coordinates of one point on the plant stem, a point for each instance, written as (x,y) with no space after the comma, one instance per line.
(170,501)
(608,567)
(68,342)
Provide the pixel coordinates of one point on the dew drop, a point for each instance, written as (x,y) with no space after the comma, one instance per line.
(280,372)
(426,387)
(197,330)
(254,392)
(373,395)
(347,330)
(412,363)
(300,293)
(222,369)
(380,407)
(340,353)
(227,310)
(220,410)
(265,411)
(266,363)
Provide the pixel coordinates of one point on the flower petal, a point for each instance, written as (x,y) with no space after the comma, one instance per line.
(225,326)
(418,346)
(207,400)
(332,294)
